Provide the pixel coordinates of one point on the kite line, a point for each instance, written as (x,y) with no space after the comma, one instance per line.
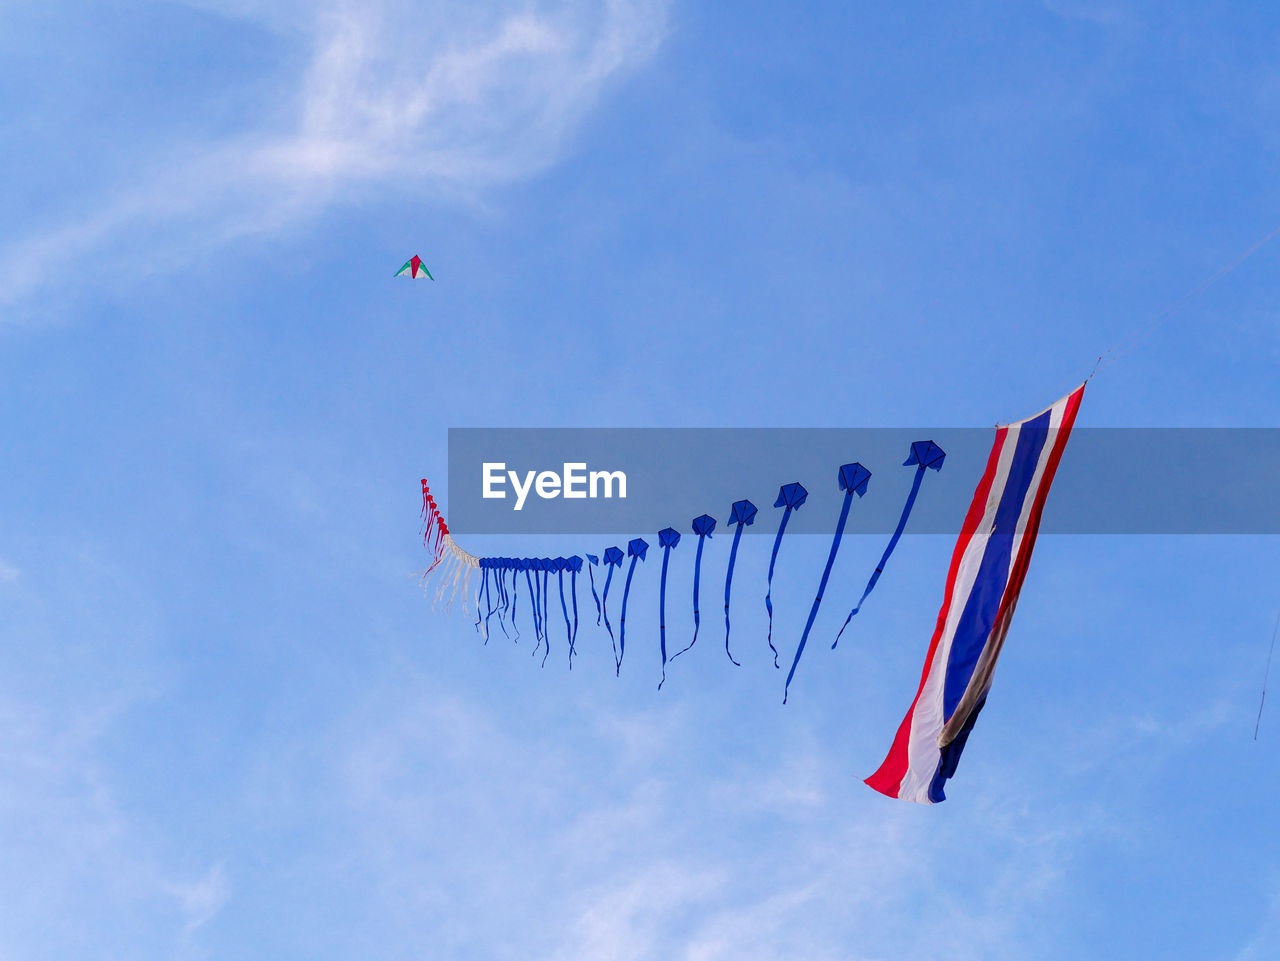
(1116,351)
(1265,678)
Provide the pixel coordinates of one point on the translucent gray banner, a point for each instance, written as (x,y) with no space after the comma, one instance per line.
(1110,481)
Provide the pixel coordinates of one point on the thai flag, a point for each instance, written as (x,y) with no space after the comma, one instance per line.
(988,566)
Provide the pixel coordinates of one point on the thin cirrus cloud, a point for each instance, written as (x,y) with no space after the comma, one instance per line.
(429,104)
(91,658)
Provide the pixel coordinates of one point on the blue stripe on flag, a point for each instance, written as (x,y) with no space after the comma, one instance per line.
(974,627)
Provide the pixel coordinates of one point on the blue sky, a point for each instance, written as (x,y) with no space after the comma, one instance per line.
(231,725)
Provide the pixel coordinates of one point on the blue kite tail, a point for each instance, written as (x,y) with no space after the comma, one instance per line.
(503,601)
(592,578)
(604,610)
(884,558)
(533,606)
(488,596)
(622,619)
(768,597)
(728,584)
(697,571)
(546,626)
(489,604)
(515,596)
(573,590)
(822,587)
(564,608)
(662,615)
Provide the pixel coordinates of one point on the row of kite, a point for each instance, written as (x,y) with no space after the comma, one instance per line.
(498,591)
(984,581)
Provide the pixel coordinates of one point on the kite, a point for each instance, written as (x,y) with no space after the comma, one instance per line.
(515,596)
(542,615)
(988,566)
(508,596)
(853,480)
(702,526)
(574,566)
(636,548)
(924,453)
(613,557)
(560,565)
(455,564)
(528,565)
(668,538)
(593,562)
(488,564)
(414,269)
(530,580)
(504,600)
(546,565)
(792,497)
(742,513)
(434,527)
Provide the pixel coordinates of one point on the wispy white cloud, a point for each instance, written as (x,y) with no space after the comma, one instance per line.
(385,97)
(628,919)
(80,660)
(201,900)
(585,834)
(412,104)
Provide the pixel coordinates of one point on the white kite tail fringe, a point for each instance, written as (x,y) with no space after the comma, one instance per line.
(452,573)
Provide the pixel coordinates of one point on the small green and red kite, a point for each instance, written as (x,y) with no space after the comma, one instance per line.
(414,269)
